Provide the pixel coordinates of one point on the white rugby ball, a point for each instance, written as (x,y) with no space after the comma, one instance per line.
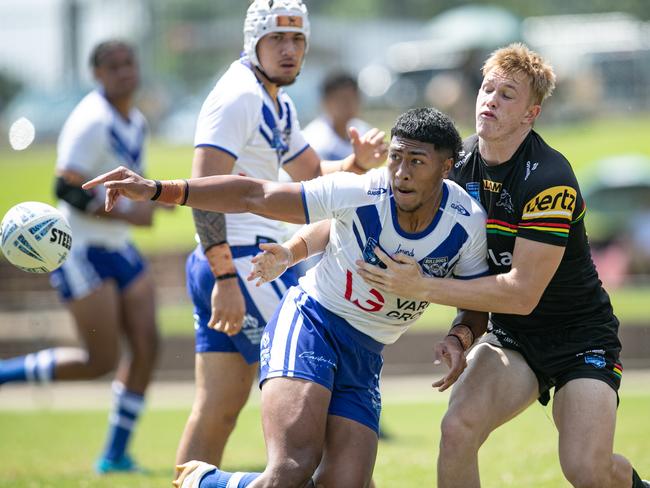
(35,237)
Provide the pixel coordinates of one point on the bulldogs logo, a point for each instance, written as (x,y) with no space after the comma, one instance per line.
(435,266)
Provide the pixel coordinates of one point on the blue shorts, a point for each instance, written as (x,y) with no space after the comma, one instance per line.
(87,267)
(261,303)
(305,340)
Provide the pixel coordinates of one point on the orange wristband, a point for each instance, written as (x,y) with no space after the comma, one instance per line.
(172,191)
(220,260)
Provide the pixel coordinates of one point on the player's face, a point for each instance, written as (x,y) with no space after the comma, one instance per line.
(281,54)
(118,72)
(342,104)
(416,170)
(504,106)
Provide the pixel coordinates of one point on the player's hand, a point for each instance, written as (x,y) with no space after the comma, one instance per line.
(399,278)
(269,264)
(370,149)
(228,308)
(451,353)
(122,181)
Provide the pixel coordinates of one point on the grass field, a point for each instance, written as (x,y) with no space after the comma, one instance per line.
(56,448)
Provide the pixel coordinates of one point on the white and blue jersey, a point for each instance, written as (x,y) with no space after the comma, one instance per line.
(364,216)
(331,328)
(322,137)
(96,139)
(240,118)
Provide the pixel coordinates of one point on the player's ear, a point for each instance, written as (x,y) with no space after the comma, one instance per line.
(97,76)
(446,167)
(532,113)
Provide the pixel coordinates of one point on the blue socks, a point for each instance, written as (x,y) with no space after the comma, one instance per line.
(37,367)
(223,479)
(123,417)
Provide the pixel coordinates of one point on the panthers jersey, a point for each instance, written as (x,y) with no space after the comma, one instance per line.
(240,118)
(364,216)
(535,196)
(96,139)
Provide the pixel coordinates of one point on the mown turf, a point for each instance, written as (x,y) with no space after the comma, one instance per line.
(56,449)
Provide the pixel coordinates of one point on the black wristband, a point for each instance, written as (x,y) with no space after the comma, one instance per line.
(226,276)
(459,340)
(187,192)
(158,190)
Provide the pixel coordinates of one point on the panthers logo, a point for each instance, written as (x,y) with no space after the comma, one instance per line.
(505,201)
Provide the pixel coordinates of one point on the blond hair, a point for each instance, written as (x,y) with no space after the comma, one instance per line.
(517,58)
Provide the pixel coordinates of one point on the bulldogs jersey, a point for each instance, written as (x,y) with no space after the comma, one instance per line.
(326,142)
(364,217)
(536,196)
(96,139)
(240,118)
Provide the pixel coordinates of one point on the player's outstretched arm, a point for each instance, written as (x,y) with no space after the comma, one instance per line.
(227,194)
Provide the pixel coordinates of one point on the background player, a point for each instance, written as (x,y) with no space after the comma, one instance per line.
(104,282)
(552,323)
(340,102)
(248,126)
(321,353)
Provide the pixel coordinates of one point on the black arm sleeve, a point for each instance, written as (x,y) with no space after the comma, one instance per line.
(74,195)
(210,227)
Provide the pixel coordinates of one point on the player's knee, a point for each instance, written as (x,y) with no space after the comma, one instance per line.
(342,478)
(216,417)
(145,343)
(99,364)
(585,479)
(458,430)
(292,472)
(587,473)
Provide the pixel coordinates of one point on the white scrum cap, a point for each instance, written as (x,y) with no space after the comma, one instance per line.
(266,16)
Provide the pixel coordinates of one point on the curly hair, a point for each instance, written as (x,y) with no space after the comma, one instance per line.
(429,125)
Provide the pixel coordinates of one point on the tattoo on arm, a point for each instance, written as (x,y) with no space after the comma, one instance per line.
(210,227)
(464,334)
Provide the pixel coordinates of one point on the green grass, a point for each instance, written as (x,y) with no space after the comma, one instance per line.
(56,449)
(584,143)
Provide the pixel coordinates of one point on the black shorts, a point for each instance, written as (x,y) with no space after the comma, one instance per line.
(559,356)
